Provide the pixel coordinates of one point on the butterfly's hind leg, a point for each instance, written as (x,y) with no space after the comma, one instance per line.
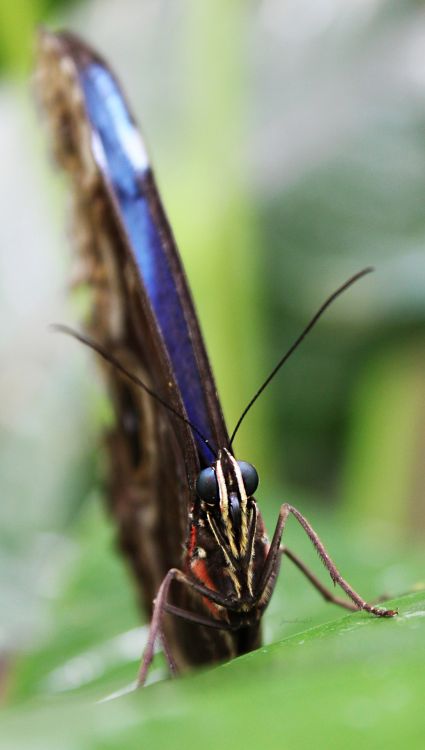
(327,595)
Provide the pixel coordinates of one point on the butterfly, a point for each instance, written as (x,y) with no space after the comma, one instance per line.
(184,507)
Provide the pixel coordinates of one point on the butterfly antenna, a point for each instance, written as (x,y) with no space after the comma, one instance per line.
(130,376)
(297,342)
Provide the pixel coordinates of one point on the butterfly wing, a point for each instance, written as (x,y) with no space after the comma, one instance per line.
(142,313)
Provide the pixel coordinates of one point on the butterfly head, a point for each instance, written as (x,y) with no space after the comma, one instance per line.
(226,489)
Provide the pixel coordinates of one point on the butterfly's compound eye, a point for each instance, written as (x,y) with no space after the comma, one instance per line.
(249,476)
(206,485)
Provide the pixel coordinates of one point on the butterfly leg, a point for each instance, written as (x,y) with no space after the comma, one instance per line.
(271,566)
(327,595)
(185,614)
(161,606)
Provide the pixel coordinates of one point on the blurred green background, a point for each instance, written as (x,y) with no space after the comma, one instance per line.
(288,140)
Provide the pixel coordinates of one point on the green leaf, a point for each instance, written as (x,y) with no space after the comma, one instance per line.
(350,682)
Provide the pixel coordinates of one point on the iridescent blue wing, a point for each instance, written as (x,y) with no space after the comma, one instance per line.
(141,311)
(120,155)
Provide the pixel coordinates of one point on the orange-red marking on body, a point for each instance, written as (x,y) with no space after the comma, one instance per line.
(192,541)
(200,571)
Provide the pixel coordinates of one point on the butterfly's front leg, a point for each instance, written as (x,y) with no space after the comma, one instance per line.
(161,606)
(272,564)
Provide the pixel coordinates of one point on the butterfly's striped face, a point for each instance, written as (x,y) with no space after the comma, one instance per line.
(229,514)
